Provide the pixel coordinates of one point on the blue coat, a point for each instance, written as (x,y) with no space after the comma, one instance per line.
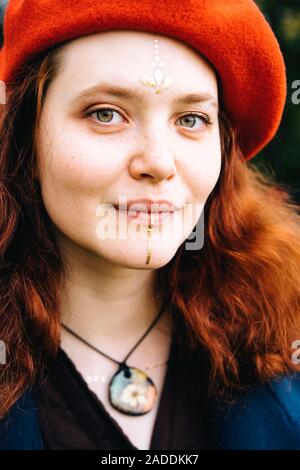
(266,417)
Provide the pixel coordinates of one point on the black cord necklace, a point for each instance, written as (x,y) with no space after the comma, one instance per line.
(131,391)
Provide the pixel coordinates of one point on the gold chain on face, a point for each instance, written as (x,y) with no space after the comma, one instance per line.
(149,244)
(160,81)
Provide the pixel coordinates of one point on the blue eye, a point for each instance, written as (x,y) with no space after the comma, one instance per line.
(107,114)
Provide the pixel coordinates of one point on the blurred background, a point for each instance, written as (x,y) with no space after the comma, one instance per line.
(281,158)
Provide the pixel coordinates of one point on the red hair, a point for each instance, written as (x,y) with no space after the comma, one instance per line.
(239,296)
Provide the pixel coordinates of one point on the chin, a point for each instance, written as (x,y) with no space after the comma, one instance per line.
(134,255)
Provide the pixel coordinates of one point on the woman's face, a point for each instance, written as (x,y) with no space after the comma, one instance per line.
(142,145)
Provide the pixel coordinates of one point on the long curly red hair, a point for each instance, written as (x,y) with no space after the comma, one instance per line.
(239,296)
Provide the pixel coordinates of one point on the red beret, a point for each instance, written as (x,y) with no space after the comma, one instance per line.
(232,34)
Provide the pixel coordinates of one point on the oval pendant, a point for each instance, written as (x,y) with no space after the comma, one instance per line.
(131,391)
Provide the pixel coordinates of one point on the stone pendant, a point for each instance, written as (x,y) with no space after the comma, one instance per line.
(131,391)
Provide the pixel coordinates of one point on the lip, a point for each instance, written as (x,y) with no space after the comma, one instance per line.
(147,206)
(146,218)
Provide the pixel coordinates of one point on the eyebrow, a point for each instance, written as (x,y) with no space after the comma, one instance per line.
(134,95)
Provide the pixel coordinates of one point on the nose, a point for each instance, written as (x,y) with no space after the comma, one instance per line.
(154,158)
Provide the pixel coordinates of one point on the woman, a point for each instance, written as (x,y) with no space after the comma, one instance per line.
(109,109)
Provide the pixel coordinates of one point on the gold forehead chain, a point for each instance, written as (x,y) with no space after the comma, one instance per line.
(160,80)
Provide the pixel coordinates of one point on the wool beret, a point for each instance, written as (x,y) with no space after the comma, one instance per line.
(232,34)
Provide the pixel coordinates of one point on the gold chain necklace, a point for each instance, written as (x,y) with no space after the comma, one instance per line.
(104,378)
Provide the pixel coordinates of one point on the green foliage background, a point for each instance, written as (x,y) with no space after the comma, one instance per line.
(282,156)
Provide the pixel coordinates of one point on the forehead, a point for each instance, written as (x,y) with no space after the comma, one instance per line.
(122,58)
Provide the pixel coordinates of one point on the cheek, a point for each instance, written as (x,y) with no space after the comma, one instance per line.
(202,177)
(75,175)
(75,164)
(204,171)
(205,178)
